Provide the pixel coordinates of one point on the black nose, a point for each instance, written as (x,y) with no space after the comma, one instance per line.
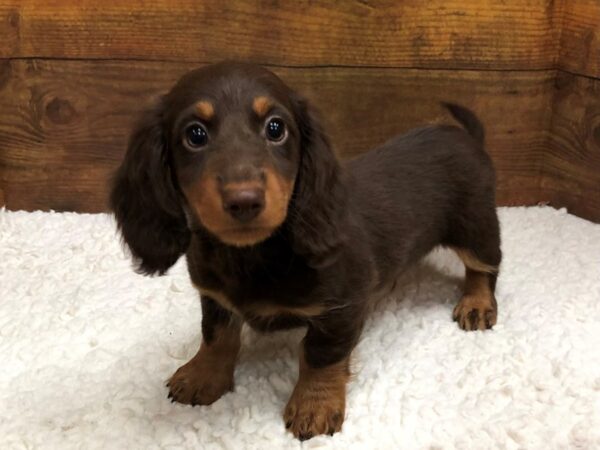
(244,204)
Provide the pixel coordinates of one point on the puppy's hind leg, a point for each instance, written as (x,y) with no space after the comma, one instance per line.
(477,244)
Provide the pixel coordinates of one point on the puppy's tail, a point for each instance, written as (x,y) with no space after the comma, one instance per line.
(467,119)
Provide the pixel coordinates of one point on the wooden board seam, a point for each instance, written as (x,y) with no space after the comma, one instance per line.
(311,66)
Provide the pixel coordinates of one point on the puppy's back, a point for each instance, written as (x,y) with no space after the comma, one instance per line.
(408,190)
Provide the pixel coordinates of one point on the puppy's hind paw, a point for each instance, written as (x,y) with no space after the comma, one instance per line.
(475,313)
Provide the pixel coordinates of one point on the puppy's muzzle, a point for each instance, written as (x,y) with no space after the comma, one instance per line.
(243,203)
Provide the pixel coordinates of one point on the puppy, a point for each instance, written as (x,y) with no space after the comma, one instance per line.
(233,169)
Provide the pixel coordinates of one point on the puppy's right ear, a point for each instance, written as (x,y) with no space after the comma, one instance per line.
(146,202)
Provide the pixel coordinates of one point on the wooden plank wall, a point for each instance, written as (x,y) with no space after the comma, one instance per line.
(75,74)
(571,162)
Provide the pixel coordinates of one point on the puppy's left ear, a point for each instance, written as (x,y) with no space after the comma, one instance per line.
(318,204)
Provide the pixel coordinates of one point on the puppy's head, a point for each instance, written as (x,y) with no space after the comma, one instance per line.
(226,151)
(234,139)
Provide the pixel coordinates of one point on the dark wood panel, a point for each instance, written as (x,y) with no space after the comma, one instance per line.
(572,158)
(497,34)
(64,125)
(580,37)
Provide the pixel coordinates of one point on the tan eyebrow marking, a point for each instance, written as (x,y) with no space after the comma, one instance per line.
(261,105)
(205,109)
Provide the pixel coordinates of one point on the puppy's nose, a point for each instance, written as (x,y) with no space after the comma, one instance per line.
(244,204)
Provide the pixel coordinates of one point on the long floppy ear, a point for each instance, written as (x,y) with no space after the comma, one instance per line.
(318,205)
(146,202)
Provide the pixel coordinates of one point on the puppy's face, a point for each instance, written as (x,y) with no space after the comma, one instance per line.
(234,144)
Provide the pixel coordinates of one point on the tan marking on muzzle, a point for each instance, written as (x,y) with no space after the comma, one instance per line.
(278,191)
(205,199)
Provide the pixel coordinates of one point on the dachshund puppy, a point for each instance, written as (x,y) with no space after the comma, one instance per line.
(233,169)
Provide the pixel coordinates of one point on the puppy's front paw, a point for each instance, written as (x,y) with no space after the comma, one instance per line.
(310,413)
(195,383)
(475,313)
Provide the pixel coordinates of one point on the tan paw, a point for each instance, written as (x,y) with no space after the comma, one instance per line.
(197,384)
(306,416)
(475,313)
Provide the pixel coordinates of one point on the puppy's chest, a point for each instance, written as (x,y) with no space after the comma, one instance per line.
(261,292)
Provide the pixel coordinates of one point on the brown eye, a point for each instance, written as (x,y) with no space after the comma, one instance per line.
(196,136)
(275,130)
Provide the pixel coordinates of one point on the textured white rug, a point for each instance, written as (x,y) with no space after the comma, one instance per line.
(86,346)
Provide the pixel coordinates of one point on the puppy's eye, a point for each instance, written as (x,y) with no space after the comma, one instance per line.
(196,136)
(275,130)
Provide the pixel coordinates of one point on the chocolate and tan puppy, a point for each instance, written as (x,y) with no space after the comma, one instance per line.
(233,169)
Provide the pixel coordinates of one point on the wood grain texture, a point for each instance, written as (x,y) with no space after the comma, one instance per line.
(571,162)
(580,37)
(476,34)
(75,74)
(64,125)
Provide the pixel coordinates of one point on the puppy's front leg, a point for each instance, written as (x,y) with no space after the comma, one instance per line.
(318,403)
(209,374)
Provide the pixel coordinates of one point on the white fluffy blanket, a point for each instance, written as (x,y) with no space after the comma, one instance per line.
(86,346)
